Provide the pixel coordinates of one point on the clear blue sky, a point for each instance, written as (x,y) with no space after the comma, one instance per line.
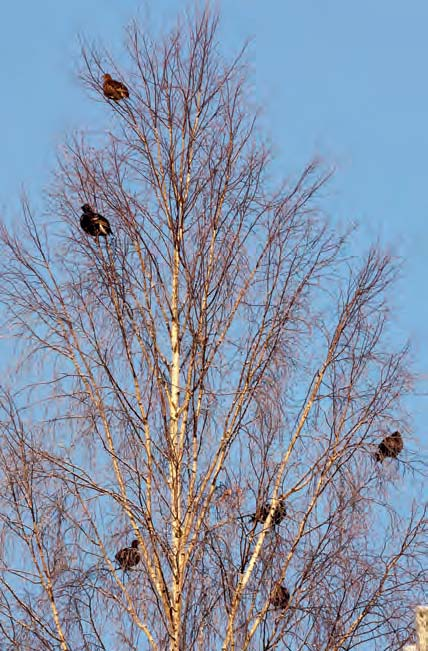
(344,80)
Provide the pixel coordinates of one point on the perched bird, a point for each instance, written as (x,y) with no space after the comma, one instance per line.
(114,89)
(93,223)
(262,512)
(391,446)
(280,596)
(128,556)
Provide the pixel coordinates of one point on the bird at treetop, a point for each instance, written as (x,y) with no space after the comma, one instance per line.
(391,446)
(93,223)
(114,89)
(280,596)
(262,512)
(128,556)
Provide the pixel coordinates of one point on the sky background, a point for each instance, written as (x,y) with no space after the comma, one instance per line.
(342,80)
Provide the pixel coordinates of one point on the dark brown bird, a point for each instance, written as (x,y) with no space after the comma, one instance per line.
(128,556)
(279,597)
(93,223)
(279,513)
(114,89)
(391,446)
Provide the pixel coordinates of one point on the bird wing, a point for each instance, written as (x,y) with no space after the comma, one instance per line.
(104,224)
(109,88)
(117,85)
(120,88)
(394,444)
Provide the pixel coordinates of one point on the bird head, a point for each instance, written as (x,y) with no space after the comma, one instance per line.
(106,77)
(135,544)
(86,208)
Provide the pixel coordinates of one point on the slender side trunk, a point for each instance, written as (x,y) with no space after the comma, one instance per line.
(175,461)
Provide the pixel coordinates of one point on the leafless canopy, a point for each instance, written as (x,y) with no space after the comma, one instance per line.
(219,352)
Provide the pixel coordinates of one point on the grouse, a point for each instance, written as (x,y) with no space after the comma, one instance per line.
(114,89)
(280,596)
(128,556)
(93,223)
(391,446)
(262,512)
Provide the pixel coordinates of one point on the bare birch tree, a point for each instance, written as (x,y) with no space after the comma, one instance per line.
(212,381)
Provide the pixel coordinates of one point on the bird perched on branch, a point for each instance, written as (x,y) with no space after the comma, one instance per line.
(391,446)
(93,223)
(128,556)
(262,512)
(114,89)
(279,597)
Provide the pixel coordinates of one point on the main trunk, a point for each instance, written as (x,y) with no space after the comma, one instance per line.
(175,471)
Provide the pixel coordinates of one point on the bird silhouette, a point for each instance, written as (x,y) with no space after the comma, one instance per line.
(279,597)
(262,512)
(128,556)
(93,223)
(114,89)
(391,446)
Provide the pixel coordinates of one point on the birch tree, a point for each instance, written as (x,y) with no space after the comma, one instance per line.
(210,381)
